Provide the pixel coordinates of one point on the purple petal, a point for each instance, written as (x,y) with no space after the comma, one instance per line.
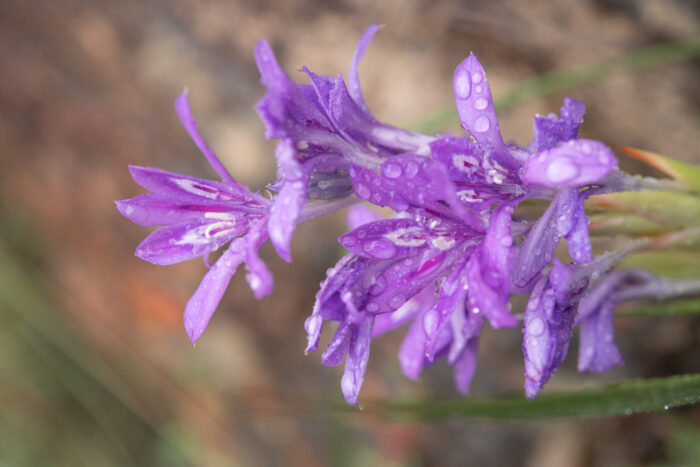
(451,300)
(189,239)
(386,239)
(411,180)
(150,210)
(574,163)
(194,191)
(476,110)
(597,349)
(552,130)
(290,110)
(356,361)
(201,306)
(549,318)
(314,323)
(483,298)
(353,77)
(290,200)
(182,108)
(465,365)
(537,250)
(400,280)
(338,346)
(359,214)
(538,341)
(420,303)
(258,276)
(412,351)
(573,224)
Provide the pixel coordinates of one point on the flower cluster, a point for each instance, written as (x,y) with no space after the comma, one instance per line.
(451,256)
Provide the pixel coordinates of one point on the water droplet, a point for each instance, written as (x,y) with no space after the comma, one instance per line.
(349,240)
(477,77)
(362,191)
(372,307)
(411,169)
(376,198)
(506,241)
(397,300)
(665,407)
(534,326)
(478,89)
(481,103)
(378,287)
(561,170)
(391,171)
(381,249)
(462,84)
(361,234)
(481,124)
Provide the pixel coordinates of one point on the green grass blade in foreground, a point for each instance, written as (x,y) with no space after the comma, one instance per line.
(689,306)
(564,80)
(620,399)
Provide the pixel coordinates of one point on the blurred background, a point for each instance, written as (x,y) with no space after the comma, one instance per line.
(95,367)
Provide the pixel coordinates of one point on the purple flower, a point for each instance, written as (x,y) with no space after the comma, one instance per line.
(597,349)
(200,216)
(324,128)
(448,260)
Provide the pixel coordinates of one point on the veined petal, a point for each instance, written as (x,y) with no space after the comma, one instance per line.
(150,210)
(258,276)
(386,239)
(411,180)
(203,303)
(476,110)
(417,305)
(289,201)
(552,130)
(574,163)
(537,250)
(184,189)
(353,76)
(356,361)
(465,365)
(182,108)
(338,346)
(189,239)
(597,349)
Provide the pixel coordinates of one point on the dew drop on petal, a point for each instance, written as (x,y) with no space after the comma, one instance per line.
(477,77)
(411,169)
(481,103)
(535,326)
(561,170)
(482,124)
(381,249)
(397,300)
(362,191)
(391,171)
(463,85)
(379,286)
(372,307)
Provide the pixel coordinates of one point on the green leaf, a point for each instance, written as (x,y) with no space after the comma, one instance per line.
(676,307)
(616,223)
(687,174)
(626,398)
(668,208)
(673,264)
